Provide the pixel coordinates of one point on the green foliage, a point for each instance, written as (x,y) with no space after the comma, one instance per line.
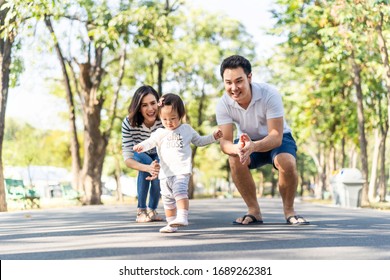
(313,68)
(25,145)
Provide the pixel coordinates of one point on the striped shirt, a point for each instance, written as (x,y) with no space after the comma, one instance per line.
(134,135)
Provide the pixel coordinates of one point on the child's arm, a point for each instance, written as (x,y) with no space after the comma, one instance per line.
(147,144)
(141,147)
(199,141)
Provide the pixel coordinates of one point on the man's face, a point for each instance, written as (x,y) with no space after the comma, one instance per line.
(237,85)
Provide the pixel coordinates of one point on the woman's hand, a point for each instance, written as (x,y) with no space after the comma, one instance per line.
(153,169)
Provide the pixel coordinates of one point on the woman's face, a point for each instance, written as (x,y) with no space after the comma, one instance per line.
(148,109)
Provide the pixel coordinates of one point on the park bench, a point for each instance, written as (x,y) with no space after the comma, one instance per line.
(69,193)
(65,191)
(18,192)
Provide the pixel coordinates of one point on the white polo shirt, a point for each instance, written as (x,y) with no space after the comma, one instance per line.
(266,104)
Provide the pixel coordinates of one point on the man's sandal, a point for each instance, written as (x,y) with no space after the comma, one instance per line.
(297,220)
(253,220)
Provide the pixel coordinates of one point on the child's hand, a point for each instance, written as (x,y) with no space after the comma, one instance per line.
(138,148)
(218,134)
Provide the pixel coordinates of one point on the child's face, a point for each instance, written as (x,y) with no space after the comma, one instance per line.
(169,118)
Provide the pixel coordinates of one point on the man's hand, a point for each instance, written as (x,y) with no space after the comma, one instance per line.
(245,149)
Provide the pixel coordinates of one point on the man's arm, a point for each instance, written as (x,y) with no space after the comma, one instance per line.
(226,142)
(273,139)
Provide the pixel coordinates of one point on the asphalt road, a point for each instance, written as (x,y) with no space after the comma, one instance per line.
(110,233)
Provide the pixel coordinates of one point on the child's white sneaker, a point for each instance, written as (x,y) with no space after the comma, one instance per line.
(179,222)
(168,229)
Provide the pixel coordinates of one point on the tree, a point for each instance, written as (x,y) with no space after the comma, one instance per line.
(329,67)
(7,38)
(14,15)
(383,8)
(74,142)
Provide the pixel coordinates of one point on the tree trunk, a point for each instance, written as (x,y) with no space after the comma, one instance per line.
(382,176)
(343,157)
(74,143)
(324,178)
(191,187)
(385,60)
(362,133)
(160,69)
(96,141)
(5,63)
(319,163)
(372,189)
(95,146)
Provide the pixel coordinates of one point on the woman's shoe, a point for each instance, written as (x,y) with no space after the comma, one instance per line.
(153,216)
(142,217)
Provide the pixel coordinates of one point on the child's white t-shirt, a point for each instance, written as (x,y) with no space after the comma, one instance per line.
(174,148)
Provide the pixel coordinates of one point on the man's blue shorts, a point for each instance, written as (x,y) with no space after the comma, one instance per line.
(259,159)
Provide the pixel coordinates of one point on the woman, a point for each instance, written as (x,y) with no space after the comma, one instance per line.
(137,126)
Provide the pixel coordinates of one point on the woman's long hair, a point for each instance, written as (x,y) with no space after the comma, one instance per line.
(135,116)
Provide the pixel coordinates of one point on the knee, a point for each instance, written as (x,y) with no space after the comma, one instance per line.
(180,196)
(234,163)
(170,205)
(286,164)
(168,201)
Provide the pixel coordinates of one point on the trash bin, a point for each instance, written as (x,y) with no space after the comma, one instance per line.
(347,185)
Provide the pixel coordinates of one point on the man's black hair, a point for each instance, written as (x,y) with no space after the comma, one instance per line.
(236,61)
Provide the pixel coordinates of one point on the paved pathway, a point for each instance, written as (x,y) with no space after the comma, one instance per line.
(110,233)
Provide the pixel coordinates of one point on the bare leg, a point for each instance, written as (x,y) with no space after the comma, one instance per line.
(245,184)
(288,181)
(170,213)
(183,203)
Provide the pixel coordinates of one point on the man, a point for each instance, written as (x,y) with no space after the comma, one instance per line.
(265,138)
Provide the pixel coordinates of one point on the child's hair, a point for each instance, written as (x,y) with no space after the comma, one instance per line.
(175,101)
